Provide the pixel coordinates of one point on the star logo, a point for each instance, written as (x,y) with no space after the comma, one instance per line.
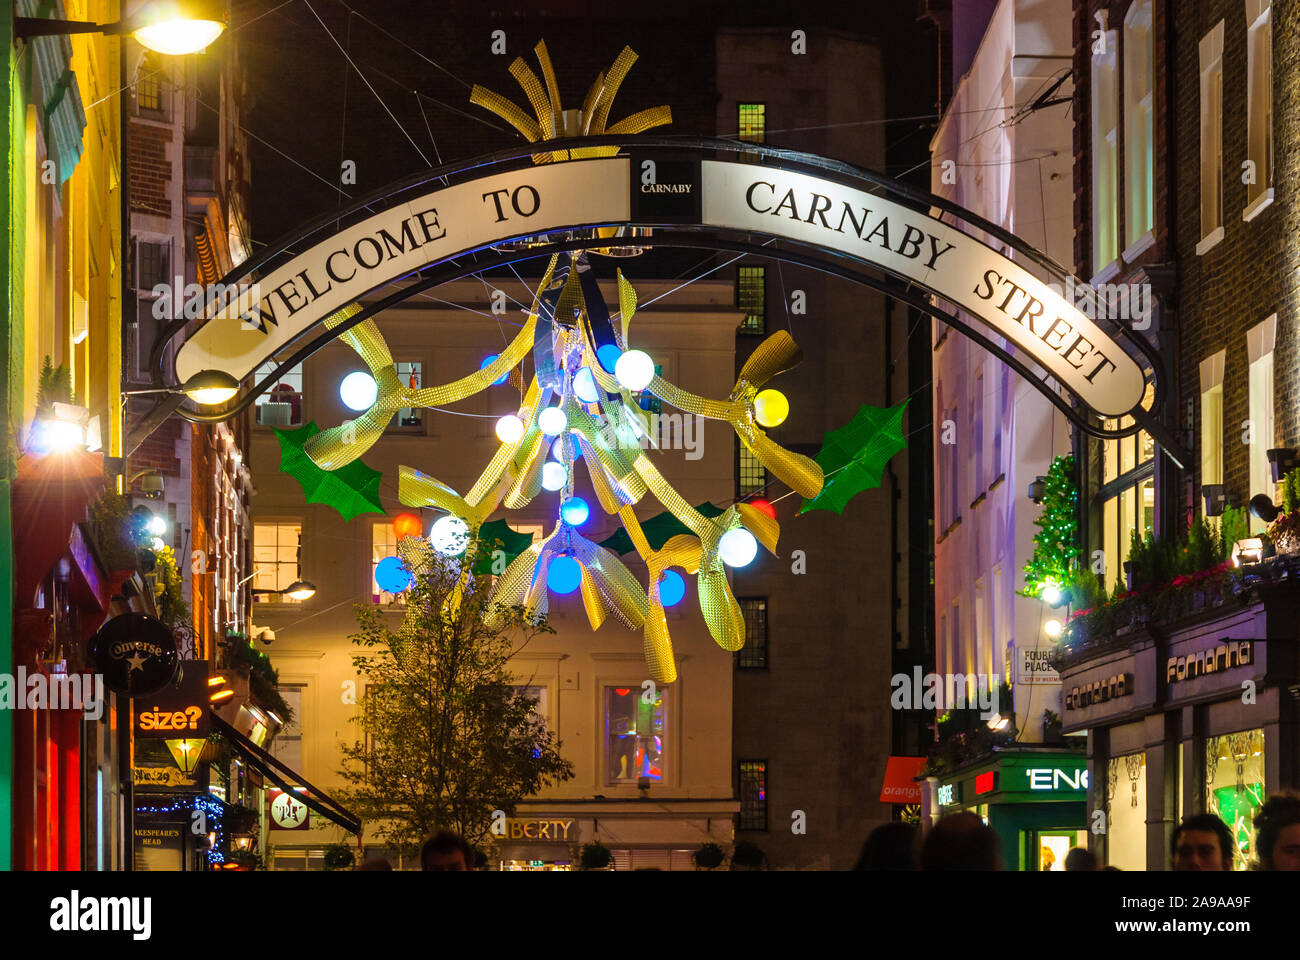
(136,661)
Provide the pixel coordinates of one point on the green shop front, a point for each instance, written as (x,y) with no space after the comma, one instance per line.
(1034,799)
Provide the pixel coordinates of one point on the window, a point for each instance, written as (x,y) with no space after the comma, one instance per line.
(1139,142)
(753,795)
(1211,53)
(277,553)
(383,543)
(287,745)
(148,87)
(751,475)
(1212,418)
(1128,498)
(753,655)
(977,408)
(634,734)
(1259,349)
(1234,787)
(751,296)
(1105,155)
(153,263)
(1259,104)
(1127,844)
(751,122)
(1004,416)
(411,374)
(538,696)
(281,405)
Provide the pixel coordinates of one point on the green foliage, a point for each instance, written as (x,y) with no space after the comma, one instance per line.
(1234,526)
(448,738)
(1203,548)
(747,856)
(1155,560)
(595,856)
(1291,492)
(173,610)
(339,856)
(55,386)
(1056,549)
(1051,718)
(1087,591)
(709,856)
(115,535)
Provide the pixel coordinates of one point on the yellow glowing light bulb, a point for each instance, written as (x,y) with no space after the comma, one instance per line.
(771,408)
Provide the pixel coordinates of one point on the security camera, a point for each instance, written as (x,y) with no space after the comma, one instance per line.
(151,486)
(267,635)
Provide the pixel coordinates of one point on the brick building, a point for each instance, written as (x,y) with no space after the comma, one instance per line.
(1182,129)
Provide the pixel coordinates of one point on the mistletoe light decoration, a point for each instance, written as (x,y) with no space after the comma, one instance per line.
(579,404)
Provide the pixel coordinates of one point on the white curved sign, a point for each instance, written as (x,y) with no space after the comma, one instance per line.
(443,224)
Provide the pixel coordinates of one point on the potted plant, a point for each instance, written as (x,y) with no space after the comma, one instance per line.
(339,856)
(747,856)
(596,856)
(1052,727)
(709,856)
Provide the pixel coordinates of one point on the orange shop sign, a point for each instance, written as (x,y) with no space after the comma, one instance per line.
(561,830)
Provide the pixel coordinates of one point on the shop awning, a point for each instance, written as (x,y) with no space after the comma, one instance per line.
(286,779)
(900,784)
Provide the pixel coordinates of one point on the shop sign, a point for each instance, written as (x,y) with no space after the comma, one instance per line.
(178,711)
(986,782)
(288,812)
(136,654)
(168,778)
(540,830)
(949,793)
(1056,778)
(1224,656)
(1034,667)
(1099,691)
(159,846)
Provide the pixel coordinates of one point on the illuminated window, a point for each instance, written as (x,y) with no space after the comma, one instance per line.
(281,405)
(751,296)
(1128,496)
(1260,341)
(751,122)
(753,655)
(1139,142)
(635,734)
(148,88)
(1212,418)
(383,543)
(287,745)
(751,476)
(277,552)
(753,795)
(1234,787)
(411,374)
(1259,104)
(1211,58)
(1105,153)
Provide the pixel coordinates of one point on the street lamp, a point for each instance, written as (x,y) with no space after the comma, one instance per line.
(162,26)
(207,387)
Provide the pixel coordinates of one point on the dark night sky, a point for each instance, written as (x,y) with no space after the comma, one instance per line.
(307,103)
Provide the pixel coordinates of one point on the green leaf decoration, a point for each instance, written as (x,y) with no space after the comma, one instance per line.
(853,457)
(350,490)
(512,543)
(658,530)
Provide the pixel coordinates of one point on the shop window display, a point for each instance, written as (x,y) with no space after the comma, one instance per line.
(1126,791)
(634,734)
(1234,787)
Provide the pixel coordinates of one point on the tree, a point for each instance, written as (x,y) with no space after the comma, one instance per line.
(1056,548)
(448,737)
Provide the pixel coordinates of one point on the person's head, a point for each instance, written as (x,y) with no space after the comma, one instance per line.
(961,841)
(446,851)
(1201,842)
(1278,836)
(891,846)
(1080,859)
(376,863)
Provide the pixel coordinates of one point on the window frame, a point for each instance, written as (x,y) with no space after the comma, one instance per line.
(765,655)
(1139,127)
(1211,145)
(1259,105)
(761,107)
(1104,143)
(762,802)
(608,687)
(276,598)
(264,398)
(759,328)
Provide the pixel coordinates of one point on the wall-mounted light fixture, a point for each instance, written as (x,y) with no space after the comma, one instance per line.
(1281,460)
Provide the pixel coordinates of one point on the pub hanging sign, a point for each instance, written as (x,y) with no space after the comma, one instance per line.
(135,653)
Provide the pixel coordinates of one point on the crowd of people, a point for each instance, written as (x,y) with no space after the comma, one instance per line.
(963,841)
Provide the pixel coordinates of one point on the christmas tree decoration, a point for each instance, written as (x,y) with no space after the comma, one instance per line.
(488,361)
(763,506)
(585,372)
(407,525)
(1056,550)
(672,588)
(351,490)
(575,511)
(449,536)
(853,457)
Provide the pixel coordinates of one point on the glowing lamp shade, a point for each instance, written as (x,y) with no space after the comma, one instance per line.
(358,390)
(552,421)
(771,408)
(635,370)
(171,29)
(1052,628)
(554,476)
(671,588)
(300,590)
(407,525)
(488,361)
(575,511)
(564,575)
(449,536)
(763,506)
(584,386)
(608,356)
(737,548)
(509,428)
(210,387)
(391,575)
(1050,594)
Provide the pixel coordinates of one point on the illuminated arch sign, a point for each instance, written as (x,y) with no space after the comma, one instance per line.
(770,200)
